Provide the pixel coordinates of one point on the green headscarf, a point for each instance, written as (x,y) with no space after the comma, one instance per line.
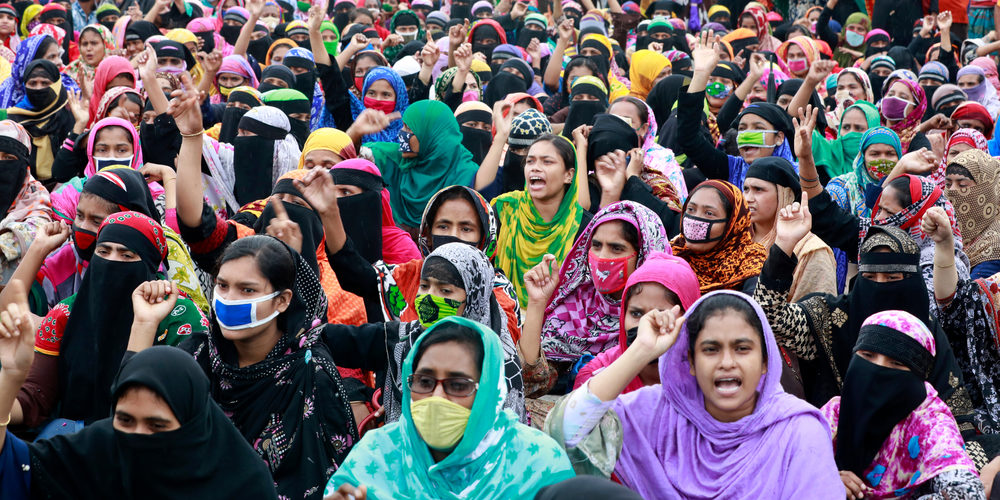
(442,161)
(838,155)
(445,80)
(333,46)
(497,457)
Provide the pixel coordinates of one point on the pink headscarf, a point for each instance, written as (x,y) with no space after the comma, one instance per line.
(237,65)
(989,68)
(112,122)
(107,70)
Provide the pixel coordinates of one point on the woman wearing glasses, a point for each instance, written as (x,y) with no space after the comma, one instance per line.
(454,437)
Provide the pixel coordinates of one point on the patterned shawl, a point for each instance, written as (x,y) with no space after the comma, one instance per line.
(402,102)
(79,70)
(907,127)
(848,190)
(579,319)
(735,257)
(968,136)
(660,168)
(926,443)
(978,207)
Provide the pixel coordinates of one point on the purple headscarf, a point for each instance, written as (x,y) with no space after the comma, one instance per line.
(977,93)
(673,448)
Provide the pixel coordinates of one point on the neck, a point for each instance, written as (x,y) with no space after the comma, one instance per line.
(714,109)
(253,350)
(86,4)
(547,209)
(438,455)
(734,415)
(761,230)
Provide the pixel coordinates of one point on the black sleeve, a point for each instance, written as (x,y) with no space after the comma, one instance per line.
(918,47)
(451,98)
(728,113)
(823,28)
(366,347)
(948,59)
(712,162)
(919,140)
(70,163)
(640,192)
(357,276)
(419,91)
(209,239)
(338,102)
(834,226)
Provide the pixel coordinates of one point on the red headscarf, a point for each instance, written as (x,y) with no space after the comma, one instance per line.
(972,110)
(107,70)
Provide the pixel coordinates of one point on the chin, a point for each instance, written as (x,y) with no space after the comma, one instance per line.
(237,335)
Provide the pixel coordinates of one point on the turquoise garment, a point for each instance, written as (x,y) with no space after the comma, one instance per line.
(442,161)
(497,457)
(848,190)
(837,155)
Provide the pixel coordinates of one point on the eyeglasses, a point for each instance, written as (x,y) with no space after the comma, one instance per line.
(454,386)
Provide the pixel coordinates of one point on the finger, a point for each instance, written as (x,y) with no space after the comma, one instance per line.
(279,208)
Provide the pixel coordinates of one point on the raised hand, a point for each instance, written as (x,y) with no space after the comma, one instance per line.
(534,50)
(463,57)
(567,33)
(317,13)
(819,70)
(519,9)
(358,43)
(430,54)
(580,135)
(636,162)
(804,126)
(78,107)
(146,61)
(944,20)
(154,172)
(392,40)
(50,236)
(152,301)
(17,332)
(927,26)
(255,7)
(758,64)
(610,172)
(704,54)
(794,223)
(211,62)
(456,36)
(919,162)
(318,189)
(502,122)
(371,121)
(134,12)
(658,330)
(542,280)
(936,225)
(282,227)
(185,107)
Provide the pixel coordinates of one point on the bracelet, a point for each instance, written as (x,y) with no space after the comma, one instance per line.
(939,266)
(196,134)
(7,422)
(807,179)
(810,186)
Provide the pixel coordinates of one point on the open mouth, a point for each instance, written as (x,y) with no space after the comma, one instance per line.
(728,386)
(536,182)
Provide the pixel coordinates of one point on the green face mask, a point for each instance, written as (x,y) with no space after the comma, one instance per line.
(332,47)
(753,138)
(304,6)
(431,308)
(880,168)
(851,143)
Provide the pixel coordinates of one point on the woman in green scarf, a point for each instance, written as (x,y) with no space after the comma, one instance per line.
(330,35)
(428,157)
(453,440)
(545,217)
(852,39)
(838,155)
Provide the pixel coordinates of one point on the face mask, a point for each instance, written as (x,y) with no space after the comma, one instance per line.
(439,240)
(84,241)
(408,37)
(431,308)
(272,21)
(230,33)
(753,138)
(102,163)
(947,111)
(844,98)
(854,39)
(718,90)
(171,70)
(359,82)
(881,167)
(798,65)
(851,143)
(698,229)
(484,48)
(894,108)
(258,48)
(404,141)
(267,86)
(470,95)
(39,98)
(383,106)
(299,130)
(108,24)
(440,422)
(609,275)
(207,41)
(331,47)
(225,91)
(241,314)
(630,335)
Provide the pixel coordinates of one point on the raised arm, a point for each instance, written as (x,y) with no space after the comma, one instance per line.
(17,351)
(554,68)
(186,110)
(936,224)
(580,135)
(316,15)
(246,32)
(152,302)
(318,189)
(540,283)
(808,175)
(487,173)
(147,71)
(817,75)
(658,332)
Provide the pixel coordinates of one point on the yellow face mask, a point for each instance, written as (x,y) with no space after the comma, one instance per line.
(440,422)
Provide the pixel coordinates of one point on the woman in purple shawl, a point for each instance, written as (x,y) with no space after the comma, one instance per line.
(720,428)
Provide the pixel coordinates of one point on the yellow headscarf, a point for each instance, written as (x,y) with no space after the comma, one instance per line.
(29,15)
(278,43)
(646,66)
(328,139)
(618,89)
(184,37)
(716,9)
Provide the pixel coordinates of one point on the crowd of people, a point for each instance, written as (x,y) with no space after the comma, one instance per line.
(346,249)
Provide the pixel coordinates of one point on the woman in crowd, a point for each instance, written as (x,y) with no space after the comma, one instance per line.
(44,114)
(27,202)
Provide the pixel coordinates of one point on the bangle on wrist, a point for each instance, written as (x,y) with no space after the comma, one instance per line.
(196,134)
(808,179)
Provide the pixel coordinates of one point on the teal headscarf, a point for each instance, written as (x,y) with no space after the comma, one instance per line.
(497,457)
(838,155)
(849,189)
(442,161)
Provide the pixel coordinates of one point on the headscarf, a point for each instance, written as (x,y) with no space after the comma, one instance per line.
(402,102)
(97,331)
(236,65)
(989,68)
(291,101)
(803,42)
(79,70)
(396,245)
(862,77)
(972,110)
(441,160)
(12,89)
(329,139)
(475,140)
(579,319)
(735,257)
(976,207)
(204,458)
(292,406)
(107,70)
(281,42)
(734,459)
(838,155)
(781,122)
(259,161)
(984,93)
(443,84)
(137,162)
(946,95)
(891,428)
(646,66)
(48,123)
(740,39)
(848,190)
(231,115)
(907,127)
(924,194)
(493,444)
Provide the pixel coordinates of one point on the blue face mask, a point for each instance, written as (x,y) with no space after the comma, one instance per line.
(241,314)
(404,141)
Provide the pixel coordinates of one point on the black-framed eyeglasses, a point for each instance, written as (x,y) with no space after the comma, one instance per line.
(459,387)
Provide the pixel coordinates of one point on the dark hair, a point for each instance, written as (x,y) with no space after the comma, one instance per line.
(356,13)
(128,97)
(956,169)
(901,185)
(44,47)
(109,127)
(726,205)
(108,206)
(273,259)
(628,231)
(718,305)
(575,62)
(453,332)
(565,149)
(640,106)
(636,289)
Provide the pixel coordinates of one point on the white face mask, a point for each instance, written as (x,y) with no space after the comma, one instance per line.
(271,21)
(103,162)
(408,37)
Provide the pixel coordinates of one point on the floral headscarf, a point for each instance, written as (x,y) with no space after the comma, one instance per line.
(79,69)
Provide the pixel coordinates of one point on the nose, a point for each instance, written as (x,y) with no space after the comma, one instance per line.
(439,390)
(728,360)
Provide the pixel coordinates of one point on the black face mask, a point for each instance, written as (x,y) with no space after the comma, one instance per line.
(877,82)
(305,44)
(309,225)
(440,240)
(253,161)
(581,113)
(40,98)
(230,123)
(524,37)
(230,33)
(306,83)
(929,90)
(642,42)
(494,67)
(108,24)
(513,172)
(947,111)
(461,11)
(476,141)
(341,19)
(364,226)
(871,51)
(485,48)
(258,48)
(601,62)
(874,399)
(300,130)
(207,41)
(267,86)
(12,174)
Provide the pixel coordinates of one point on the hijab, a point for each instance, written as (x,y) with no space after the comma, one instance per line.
(672,447)
(924,193)
(375,74)
(579,319)
(441,161)
(204,458)
(646,66)
(976,207)
(260,160)
(838,155)
(100,319)
(79,70)
(735,258)
(849,189)
(231,115)
(328,139)
(136,162)
(43,113)
(493,448)
(891,427)
(14,176)
(582,112)
(291,101)
(907,127)
(477,141)
(984,92)
(989,69)
(486,216)
(110,68)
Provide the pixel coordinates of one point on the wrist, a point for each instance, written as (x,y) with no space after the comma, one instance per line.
(638,356)
(14,375)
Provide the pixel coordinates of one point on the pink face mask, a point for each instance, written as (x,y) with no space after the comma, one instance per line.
(798,65)
(609,275)
(470,95)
